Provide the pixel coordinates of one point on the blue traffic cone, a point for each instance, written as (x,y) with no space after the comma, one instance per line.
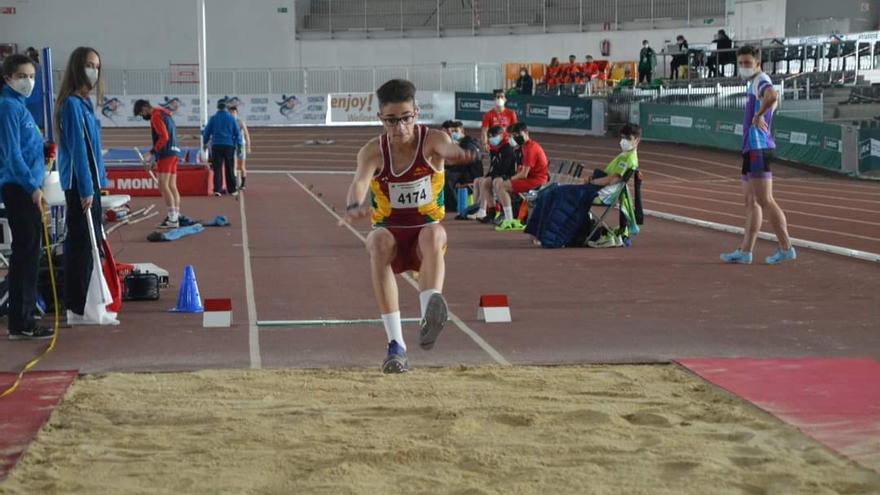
(189,300)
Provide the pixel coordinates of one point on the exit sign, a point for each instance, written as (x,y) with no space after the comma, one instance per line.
(7,10)
(282,10)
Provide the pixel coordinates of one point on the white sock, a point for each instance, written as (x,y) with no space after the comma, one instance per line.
(480,213)
(423,299)
(508,212)
(393,328)
(173,214)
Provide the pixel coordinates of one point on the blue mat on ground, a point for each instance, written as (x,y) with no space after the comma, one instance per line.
(175,234)
(218,221)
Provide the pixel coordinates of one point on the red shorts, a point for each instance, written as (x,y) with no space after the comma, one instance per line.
(167,165)
(520,186)
(406,256)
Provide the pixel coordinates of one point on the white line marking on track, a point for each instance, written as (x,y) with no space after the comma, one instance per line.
(787,210)
(253,330)
(491,351)
(818,246)
(741,218)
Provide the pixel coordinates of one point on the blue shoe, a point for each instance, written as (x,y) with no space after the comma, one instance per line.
(781,255)
(436,314)
(396,361)
(737,257)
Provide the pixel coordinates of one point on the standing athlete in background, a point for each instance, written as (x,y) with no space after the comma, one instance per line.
(167,155)
(757,153)
(404,170)
(242,150)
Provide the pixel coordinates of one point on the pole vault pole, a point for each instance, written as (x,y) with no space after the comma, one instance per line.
(203,69)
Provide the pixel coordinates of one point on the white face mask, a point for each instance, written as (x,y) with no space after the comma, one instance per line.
(456,136)
(24,86)
(512,142)
(92,75)
(626,145)
(746,73)
(499,102)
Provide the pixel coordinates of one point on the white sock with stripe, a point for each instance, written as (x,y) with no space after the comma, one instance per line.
(393,328)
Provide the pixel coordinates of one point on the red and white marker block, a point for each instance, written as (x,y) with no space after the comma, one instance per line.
(494,308)
(217,314)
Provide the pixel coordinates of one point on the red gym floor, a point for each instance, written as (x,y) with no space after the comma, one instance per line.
(665,298)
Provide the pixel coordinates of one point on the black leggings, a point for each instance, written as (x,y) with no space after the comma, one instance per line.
(223,161)
(24,222)
(78,260)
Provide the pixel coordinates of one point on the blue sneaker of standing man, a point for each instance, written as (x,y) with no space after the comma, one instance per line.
(781,255)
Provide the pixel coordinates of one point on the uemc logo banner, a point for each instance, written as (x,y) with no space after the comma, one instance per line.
(729,127)
(469,105)
(830,143)
(537,111)
(658,119)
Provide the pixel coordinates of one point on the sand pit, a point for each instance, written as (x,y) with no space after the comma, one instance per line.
(603,430)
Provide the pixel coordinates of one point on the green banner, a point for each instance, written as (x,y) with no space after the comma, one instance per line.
(535,111)
(802,141)
(869,150)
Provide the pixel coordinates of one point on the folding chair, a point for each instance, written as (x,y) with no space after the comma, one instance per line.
(557,174)
(614,200)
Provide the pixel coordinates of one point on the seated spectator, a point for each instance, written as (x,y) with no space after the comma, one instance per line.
(590,68)
(460,175)
(554,75)
(572,71)
(503,165)
(524,84)
(561,212)
(531,174)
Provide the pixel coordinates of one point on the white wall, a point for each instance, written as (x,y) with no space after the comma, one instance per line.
(252,34)
(147,34)
(625,45)
(757,19)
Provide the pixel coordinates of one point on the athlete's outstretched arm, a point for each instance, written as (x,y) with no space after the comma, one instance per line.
(441,146)
(356,200)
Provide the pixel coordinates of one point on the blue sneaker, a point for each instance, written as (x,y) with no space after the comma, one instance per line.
(396,361)
(737,257)
(781,255)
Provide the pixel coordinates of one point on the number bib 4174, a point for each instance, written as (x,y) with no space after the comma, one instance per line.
(411,194)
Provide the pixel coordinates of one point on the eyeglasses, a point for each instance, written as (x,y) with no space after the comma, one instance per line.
(394,121)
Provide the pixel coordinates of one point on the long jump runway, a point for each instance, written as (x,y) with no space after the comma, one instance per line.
(665,299)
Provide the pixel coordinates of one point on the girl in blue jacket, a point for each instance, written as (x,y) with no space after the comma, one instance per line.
(82,174)
(22,167)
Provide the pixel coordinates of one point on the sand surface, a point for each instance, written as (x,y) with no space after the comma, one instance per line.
(602,430)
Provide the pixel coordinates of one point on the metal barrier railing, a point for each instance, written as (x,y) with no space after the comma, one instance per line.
(445,77)
(433,17)
(796,101)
